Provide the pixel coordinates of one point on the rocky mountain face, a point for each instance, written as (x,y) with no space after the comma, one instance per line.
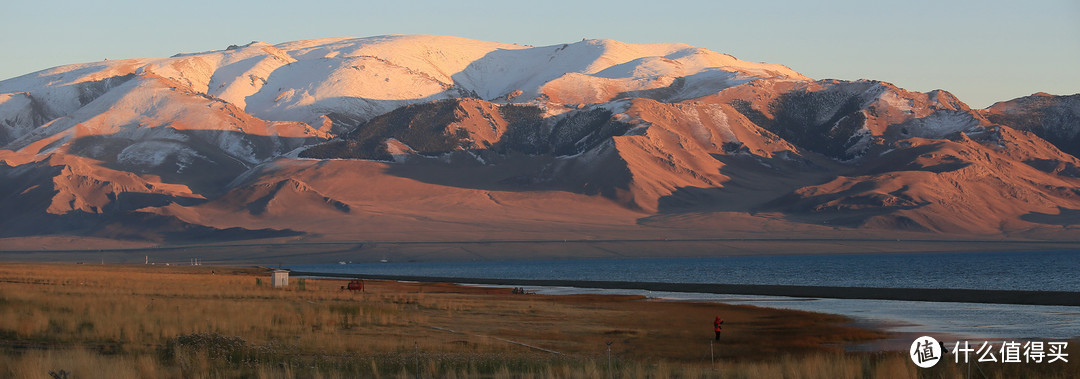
(424,133)
(1053,118)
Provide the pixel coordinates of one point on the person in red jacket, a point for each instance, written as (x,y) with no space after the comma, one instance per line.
(716,326)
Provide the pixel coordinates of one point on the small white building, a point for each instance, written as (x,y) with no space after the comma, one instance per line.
(279,278)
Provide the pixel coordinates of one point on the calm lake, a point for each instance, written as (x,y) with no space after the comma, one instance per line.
(1037,271)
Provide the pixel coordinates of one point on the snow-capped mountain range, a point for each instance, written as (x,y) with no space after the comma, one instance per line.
(329,137)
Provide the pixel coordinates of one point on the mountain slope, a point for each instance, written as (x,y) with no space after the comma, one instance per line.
(415,136)
(1053,118)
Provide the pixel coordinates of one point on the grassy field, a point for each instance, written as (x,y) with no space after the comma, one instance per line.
(89,321)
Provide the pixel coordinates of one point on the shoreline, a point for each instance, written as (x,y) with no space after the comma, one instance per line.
(1015,297)
(441,316)
(314,328)
(369,251)
(1052,244)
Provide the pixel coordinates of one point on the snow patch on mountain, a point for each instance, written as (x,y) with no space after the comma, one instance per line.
(363,77)
(893,99)
(155,153)
(941,124)
(306,90)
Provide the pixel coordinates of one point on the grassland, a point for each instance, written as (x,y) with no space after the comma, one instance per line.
(208,322)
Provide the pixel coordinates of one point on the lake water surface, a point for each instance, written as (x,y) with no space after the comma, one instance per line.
(1035,271)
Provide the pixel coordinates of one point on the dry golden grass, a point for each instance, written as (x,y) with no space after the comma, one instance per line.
(155,322)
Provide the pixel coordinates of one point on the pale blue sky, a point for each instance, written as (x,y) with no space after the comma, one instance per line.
(981,50)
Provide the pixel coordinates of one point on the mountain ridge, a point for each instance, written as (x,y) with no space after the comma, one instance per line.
(432,134)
